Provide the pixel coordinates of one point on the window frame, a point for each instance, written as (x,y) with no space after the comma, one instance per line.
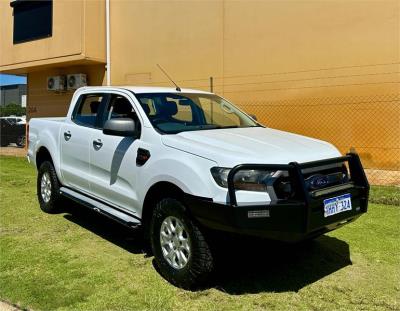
(104,101)
(103,110)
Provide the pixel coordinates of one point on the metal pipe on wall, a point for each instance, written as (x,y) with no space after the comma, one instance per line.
(108,66)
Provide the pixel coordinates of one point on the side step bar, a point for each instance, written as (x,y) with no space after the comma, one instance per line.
(122,217)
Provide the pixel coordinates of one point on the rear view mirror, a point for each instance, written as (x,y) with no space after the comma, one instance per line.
(125,127)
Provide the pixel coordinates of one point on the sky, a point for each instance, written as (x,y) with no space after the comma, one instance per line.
(11,79)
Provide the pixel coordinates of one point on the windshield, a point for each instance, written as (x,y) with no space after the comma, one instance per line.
(172,113)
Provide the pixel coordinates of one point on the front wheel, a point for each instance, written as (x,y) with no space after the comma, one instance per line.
(180,249)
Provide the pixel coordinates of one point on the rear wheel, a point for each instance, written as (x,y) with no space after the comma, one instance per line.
(48,188)
(180,249)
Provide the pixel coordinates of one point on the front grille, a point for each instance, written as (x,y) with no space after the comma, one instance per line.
(314,178)
(289,181)
(326,178)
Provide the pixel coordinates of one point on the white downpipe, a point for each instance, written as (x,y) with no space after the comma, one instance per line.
(108,72)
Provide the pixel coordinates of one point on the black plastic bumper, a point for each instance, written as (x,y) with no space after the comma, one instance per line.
(293,220)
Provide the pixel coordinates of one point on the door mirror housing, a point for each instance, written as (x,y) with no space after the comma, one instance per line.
(125,127)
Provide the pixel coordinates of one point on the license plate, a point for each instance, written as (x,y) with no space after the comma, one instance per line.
(337,205)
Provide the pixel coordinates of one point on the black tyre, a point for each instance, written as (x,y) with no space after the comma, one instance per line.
(180,249)
(21,141)
(48,188)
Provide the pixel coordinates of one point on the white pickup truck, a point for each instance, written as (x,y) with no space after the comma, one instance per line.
(184,162)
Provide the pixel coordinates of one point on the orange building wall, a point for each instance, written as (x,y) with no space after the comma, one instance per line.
(78,34)
(327,69)
(42,103)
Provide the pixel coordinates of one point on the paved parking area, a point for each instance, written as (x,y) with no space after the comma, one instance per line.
(4,306)
(13,151)
(383,177)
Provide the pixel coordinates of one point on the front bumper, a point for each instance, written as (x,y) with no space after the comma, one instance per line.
(286,220)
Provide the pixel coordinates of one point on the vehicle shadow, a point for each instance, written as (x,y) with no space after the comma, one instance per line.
(129,239)
(243,265)
(249,265)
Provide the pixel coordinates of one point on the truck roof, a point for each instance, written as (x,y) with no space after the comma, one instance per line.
(147,89)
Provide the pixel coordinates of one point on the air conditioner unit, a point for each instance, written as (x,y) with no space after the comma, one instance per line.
(56,83)
(76,81)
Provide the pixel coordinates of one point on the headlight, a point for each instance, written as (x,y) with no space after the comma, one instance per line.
(220,175)
(250,180)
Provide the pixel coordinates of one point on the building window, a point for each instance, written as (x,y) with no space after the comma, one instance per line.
(32,20)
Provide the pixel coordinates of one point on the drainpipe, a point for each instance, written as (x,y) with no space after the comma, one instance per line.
(108,66)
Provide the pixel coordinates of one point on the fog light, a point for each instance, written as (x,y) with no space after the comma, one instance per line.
(258,214)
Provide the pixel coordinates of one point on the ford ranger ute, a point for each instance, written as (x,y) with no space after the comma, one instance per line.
(183,162)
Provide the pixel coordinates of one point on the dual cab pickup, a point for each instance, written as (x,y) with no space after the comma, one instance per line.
(182,162)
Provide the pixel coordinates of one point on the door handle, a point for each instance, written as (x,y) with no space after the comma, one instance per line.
(97,144)
(67,135)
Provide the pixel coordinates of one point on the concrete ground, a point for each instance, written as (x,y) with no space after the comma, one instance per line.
(4,306)
(383,177)
(12,151)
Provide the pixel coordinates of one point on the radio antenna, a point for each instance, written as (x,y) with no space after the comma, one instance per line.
(169,78)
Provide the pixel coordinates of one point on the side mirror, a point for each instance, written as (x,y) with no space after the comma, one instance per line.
(120,127)
(253,116)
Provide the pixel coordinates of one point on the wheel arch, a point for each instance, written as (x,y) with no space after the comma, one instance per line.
(154,194)
(42,155)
